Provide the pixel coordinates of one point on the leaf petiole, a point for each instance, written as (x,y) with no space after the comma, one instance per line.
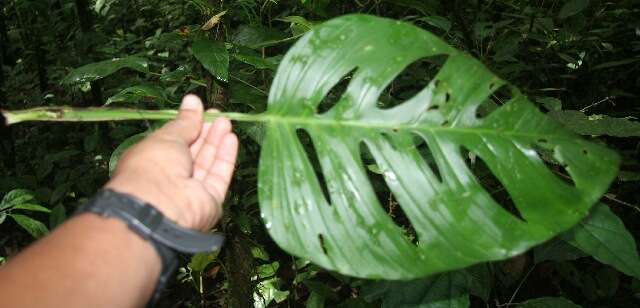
(96,114)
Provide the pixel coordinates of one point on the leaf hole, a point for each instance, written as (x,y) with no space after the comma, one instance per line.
(384,195)
(491,184)
(310,150)
(411,81)
(546,152)
(323,244)
(501,95)
(494,101)
(335,94)
(427,156)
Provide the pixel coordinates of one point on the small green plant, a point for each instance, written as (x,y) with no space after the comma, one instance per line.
(194,272)
(18,201)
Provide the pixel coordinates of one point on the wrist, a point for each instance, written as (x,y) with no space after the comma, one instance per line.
(155,195)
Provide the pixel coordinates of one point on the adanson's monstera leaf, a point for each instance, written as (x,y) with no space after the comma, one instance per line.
(457,221)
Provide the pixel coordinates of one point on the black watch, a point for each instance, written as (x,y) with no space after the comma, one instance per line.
(167,237)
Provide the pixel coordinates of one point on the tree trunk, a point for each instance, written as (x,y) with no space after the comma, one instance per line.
(239,265)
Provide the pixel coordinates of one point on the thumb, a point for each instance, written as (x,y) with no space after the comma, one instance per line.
(188,124)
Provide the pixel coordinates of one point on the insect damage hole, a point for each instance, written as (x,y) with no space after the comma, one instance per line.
(310,150)
(384,195)
(546,152)
(323,244)
(335,94)
(491,184)
(411,81)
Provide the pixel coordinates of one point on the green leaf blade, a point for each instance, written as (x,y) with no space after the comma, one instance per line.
(213,56)
(136,93)
(16,197)
(603,235)
(32,207)
(596,124)
(445,290)
(457,221)
(98,70)
(34,227)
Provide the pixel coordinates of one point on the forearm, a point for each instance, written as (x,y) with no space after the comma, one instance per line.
(183,170)
(89,261)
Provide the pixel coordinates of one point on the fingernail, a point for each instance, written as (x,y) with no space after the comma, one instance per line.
(191,102)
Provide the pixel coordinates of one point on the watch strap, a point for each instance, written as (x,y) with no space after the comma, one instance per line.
(150,223)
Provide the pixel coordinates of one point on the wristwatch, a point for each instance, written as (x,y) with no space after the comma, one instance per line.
(167,237)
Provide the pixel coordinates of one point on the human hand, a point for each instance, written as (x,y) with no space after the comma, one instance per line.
(183,169)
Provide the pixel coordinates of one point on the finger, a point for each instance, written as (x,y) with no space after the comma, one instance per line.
(207,154)
(196,146)
(218,178)
(187,125)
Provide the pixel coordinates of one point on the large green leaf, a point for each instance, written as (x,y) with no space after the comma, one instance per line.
(213,56)
(94,71)
(456,220)
(596,124)
(603,235)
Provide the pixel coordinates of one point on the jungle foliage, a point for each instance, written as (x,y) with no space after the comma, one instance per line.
(499,176)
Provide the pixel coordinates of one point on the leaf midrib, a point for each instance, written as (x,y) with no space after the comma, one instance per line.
(93,114)
(317,121)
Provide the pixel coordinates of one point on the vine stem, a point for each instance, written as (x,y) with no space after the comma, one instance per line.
(96,114)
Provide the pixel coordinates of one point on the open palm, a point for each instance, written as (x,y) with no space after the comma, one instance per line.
(184,168)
